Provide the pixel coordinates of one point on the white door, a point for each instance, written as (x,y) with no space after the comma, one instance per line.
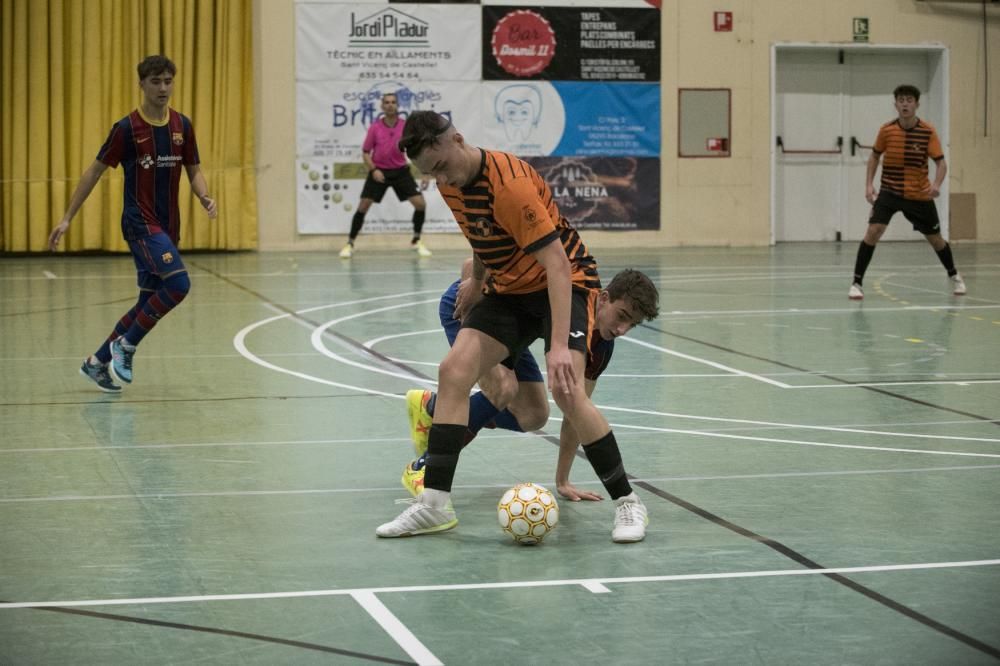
(871,78)
(824,93)
(808,117)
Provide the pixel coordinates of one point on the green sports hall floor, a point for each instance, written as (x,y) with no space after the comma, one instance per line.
(823,476)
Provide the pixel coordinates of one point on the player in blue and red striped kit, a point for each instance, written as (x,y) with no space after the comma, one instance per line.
(151,144)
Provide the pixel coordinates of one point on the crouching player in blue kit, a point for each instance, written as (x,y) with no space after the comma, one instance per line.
(516,399)
(151,144)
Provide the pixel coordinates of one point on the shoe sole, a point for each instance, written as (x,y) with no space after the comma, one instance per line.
(430,530)
(90,379)
(635,540)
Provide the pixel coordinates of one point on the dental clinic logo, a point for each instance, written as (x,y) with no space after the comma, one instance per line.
(389,27)
(518,108)
(528,119)
(363,107)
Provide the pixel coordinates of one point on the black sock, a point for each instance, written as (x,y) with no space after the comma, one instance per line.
(443,446)
(357,222)
(418,223)
(865,252)
(944,254)
(606,460)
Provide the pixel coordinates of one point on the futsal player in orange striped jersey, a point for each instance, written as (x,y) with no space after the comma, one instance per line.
(905,144)
(543,283)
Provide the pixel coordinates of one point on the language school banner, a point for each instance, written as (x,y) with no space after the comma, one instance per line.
(347,57)
(596,132)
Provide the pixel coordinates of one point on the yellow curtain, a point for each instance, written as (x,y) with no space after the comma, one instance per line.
(67,74)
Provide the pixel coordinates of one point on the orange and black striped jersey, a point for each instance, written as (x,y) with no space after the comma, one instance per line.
(905,153)
(507,212)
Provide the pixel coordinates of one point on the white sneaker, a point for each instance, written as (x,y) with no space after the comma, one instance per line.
(630,519)
(421,249)
(855,293)
(347,252)
(419,518)
(957,285)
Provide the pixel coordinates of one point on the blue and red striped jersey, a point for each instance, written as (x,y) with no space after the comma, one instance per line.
(152,156)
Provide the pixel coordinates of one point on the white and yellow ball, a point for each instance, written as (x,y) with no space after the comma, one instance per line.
(527,512)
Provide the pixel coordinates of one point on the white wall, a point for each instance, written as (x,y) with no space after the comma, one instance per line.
(704,202)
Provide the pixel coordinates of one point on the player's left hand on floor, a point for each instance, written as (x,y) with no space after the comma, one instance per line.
(574,494)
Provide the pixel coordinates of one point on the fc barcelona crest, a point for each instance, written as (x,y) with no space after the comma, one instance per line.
(178,138)
(168,257)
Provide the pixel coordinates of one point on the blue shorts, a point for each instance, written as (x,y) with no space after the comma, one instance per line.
(156,257)
(526,368)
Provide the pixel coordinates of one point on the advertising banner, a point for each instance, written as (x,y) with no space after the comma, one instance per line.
(571,43)
(607,193)
(362,42)
(333,118)
(575,92)
(568,118)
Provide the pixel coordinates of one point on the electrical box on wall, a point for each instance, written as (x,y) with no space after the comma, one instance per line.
(723,21)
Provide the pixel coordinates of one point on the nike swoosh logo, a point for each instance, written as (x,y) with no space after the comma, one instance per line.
(145,138)
(576,334)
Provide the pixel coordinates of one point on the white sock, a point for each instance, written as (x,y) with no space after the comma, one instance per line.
(93,362)
(437,499)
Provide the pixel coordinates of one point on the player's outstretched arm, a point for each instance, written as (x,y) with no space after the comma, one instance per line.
(569,442)
(199,186)
(86,185)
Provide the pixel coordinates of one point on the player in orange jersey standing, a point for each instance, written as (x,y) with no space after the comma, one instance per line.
(904,145)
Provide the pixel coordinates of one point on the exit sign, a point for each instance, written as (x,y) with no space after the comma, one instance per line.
(861,29)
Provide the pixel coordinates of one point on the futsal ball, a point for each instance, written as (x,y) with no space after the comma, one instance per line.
(527,512)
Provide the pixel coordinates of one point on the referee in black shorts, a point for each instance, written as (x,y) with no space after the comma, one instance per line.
(387,167)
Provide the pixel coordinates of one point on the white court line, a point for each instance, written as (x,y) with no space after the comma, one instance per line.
(317,341)
(718,366)
(793,426)
(396,629)
(49,274)
(486,486)
(775,440)
(239,342)
(955,382)
(596,587)
(374,341)
(509,585)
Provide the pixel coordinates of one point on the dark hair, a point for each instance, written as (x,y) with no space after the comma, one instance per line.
(637,288)
(389,94)
(422,129)
(906,90)
(156,64)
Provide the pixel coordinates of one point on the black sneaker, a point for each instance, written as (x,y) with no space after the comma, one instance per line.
(99,375)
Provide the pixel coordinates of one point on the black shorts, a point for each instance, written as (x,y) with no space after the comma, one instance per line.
(921,214)
(400,180)
(518,320)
